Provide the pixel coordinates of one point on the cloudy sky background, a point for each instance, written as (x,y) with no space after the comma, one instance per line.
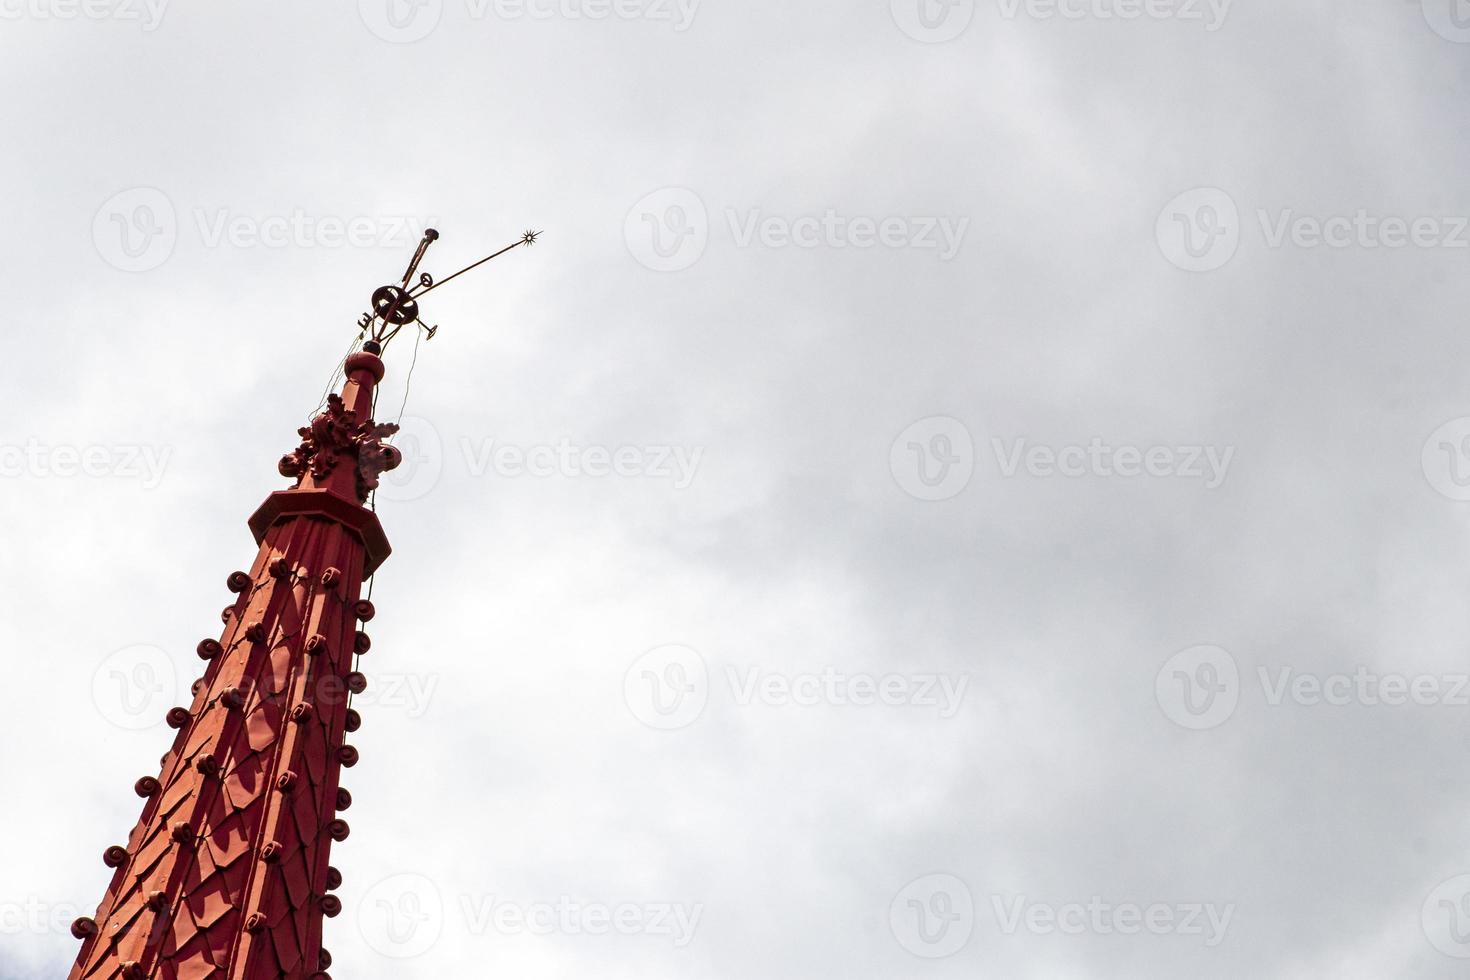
(514,753)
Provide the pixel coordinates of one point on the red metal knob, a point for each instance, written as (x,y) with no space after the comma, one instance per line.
(344,799)
(178,717)
(334,882)
(303,713)
(354,720)
(347,755)
(238,581)
(234,699)
(361,642)
(158,901)
(331,577)
(115,856)
(324,961)
(339,830)
(331,906)
(183,833)
(357,682)
(365,610)
(256,923)
(281,568)
(209,649)
(286,781)
(316,644)
(84,928)
(256,632)
(147,787)
(226,614)
(208,766)
(271,853)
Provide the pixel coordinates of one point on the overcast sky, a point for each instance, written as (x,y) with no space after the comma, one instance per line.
(959,490)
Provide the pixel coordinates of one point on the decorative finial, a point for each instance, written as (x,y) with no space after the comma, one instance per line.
(396,306)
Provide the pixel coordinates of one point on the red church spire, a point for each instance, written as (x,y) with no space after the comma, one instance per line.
(226,875)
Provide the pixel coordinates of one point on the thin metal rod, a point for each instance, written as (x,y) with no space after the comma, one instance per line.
(430,237)
(467,268)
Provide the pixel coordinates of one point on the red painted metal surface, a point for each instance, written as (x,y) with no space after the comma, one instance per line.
(226,874)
